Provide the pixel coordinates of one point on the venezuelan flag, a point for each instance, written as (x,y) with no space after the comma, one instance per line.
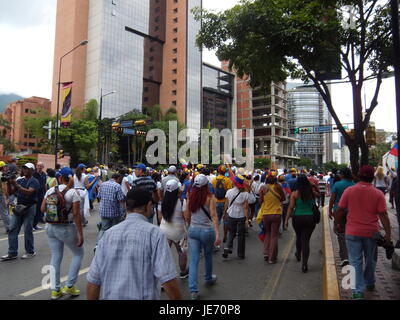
(395,150)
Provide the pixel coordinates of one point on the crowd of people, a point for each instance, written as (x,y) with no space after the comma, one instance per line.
(144,213)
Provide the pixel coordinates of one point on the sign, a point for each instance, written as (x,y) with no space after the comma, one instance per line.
(130,132)
(306,130)
(323,129)
(126,124)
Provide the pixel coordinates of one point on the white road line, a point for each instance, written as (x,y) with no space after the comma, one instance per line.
(21,235)
(39,289)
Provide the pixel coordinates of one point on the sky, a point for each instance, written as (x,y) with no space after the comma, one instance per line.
(27,32)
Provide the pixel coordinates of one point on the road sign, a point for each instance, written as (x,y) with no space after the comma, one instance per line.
(127,124)
(306,130)
(130,132)
(323,129)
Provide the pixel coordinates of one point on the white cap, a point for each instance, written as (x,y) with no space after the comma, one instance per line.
(172,169)
(173,185)
(200,181)
(29,165)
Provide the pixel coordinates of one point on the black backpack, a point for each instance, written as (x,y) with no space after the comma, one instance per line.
(220,191)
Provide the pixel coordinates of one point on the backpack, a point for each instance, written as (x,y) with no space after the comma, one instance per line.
(56,213)
(220,191)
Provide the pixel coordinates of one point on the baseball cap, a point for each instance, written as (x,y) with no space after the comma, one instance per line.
(366,172)
(141,166)
(66,172)
(200,181)
(222,169)
(82,166)
(293,170)
(200,166)
(29,166)
(172,169)
(239,181)
(2,164)
(172,185)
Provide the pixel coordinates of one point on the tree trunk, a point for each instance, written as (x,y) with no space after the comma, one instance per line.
(354,157)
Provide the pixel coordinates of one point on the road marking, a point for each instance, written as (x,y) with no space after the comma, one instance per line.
(276,275)
(22,235)
(39,289)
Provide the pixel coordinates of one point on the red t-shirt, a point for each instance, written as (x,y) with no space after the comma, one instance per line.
(364,202)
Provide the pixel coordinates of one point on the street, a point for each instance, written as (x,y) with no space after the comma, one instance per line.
(249,279)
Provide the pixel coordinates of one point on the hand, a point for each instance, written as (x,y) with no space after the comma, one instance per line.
(79,243)
(388,238)
(217,240)
(286,224)
(337,229)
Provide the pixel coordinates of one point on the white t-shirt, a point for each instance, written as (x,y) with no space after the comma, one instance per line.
(80,184)
(236,210)
(123,185)
(70,197)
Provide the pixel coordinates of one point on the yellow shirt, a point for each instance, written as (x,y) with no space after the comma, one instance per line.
(271,202)
(226,184)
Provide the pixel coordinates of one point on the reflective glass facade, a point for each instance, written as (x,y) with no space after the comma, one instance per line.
(218,95)
(193,70)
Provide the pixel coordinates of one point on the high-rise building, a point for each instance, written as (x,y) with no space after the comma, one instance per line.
(307,109)
(267,114)
(144,50)
(20,137)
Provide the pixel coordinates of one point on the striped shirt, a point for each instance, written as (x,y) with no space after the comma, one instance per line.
(322,186)
(110,195)
(144,183)
(132,261)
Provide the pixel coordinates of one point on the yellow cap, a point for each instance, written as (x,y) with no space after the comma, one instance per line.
(200,166)
(2,164)
(88,170)
(293,170)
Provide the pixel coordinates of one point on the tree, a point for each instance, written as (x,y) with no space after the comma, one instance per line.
(5,126)
(377,152)
(91,110)
(262,163)
(305,162)
(34,126)
(270,40)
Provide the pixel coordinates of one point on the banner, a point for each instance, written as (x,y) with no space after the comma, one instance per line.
(395,150)
(66,98)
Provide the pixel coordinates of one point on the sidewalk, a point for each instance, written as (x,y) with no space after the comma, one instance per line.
(387,279)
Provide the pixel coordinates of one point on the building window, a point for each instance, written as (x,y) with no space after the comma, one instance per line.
(26,110)
(25,136)
(176,10)
(174,103)
(175,40)
(151,58)
(175,1)
(175,20)
(157,19)
(175,30)
(151,68)
(174,92)
(151,49)
(174,82)
(175,50)
(156,28)
(146,89)
(146,99)
(175,71)
(174,60)
(31,144)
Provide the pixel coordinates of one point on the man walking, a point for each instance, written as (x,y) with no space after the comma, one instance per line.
(112,203)
(26,203)
(171,175)
(133,259)
(40,176)
(365,205)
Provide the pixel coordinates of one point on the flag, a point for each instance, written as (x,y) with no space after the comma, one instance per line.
(395,150)
(66,98)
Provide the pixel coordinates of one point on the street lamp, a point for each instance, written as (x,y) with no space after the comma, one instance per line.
(83,43)
(100,153)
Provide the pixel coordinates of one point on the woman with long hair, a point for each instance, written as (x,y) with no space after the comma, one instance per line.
(301,208)
(271,198)
(80,186)
(203,233)
(381,181)
(173,222)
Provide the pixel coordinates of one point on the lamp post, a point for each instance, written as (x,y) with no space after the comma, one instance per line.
(100,153)
(83,43)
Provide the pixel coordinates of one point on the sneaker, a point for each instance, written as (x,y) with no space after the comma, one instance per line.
(194,296)
(8,257)
(357,296)
(397,246)
(28,255)
(344,263)
(37,228)
(371,287)
(226,253)
(55,295)
(73,291)
(211,282)
(94,249)
(184,274)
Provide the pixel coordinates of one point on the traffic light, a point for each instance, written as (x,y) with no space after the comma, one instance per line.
(306,130)
(141,133)
(116,127)
(61,154)
(370,134)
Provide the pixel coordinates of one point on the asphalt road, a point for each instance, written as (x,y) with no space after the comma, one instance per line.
(249,279)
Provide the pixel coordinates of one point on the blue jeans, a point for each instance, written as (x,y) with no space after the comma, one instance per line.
(360,249)
(107,223)
(15,228)
(58,235)
(220,211)
(200,238)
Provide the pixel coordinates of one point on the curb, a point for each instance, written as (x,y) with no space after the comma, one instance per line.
(330,278)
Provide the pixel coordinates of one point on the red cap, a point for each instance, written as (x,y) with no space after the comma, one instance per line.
(366,172)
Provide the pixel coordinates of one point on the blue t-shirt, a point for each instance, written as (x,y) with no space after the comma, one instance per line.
(25,199)
(186,185)
(339,188)
(292,184)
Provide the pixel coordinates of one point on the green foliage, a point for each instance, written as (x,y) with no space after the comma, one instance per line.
(305,162)
(91,111)
(24,160)
(270,40)
(262,163)
(377,152)
(34,125)
(329,166)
